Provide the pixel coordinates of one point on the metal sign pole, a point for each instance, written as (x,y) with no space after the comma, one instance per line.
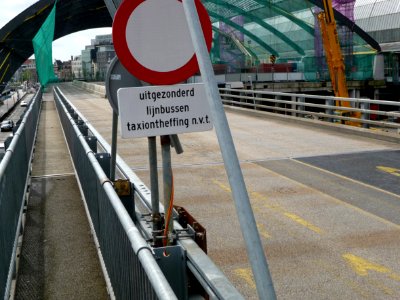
(112,8)
(248,226)
(117,77)
(155,204)
(167,179)
(114,145)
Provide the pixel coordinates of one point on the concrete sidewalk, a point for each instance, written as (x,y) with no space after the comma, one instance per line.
(58,257)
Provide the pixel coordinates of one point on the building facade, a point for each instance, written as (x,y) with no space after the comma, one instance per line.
(104,56)
(76,67)
(27,72)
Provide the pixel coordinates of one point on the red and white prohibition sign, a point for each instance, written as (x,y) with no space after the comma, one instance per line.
(152,40)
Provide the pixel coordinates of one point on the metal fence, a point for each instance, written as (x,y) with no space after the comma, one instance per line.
(131,267)
(106,216)
(15,168)
(377,113)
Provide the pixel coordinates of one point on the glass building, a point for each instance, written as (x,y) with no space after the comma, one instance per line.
(284,36)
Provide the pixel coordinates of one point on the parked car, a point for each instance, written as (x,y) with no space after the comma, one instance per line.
(6,125)
(24,103)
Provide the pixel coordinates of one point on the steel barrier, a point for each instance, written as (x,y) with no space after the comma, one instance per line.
(129,262)
(15,167)
(386,114)
(116,241)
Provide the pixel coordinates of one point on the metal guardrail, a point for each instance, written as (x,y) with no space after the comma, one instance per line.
(212,280)
(15,169)
(321,107)
(128,259)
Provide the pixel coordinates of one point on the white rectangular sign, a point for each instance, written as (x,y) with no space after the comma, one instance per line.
(163,110)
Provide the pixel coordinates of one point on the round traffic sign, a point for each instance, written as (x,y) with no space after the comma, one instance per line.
(118,77)
(152,40)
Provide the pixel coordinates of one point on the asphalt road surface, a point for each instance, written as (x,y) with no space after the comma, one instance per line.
(327,204)
(15,111)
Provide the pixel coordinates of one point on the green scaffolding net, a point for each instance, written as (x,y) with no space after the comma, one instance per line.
(42,45)
(267,36)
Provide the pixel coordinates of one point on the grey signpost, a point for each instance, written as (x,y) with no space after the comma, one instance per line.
(254,247)
(248,226)
(117,77)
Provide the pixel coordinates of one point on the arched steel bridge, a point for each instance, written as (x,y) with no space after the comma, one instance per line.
(77,15)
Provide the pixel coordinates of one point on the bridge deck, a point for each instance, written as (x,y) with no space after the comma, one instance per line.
(327,204)
(58,258)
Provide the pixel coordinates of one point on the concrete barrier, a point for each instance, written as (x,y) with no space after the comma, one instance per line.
(335,127)
(91,87)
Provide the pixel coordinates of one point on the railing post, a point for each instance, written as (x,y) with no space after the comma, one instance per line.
(364,115)
(300,107)
(252,88)
(294,106)
(277,104)
(328,110)
(226,97)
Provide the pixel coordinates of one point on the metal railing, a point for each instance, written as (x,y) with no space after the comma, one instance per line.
(212,280)
(386,114)
(15,169)
(129,262)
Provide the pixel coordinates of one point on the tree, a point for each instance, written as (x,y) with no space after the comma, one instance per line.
(26,75)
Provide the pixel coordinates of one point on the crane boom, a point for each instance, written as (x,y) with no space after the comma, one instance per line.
(334,55)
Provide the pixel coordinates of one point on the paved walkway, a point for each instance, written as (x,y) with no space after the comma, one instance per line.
(58,258)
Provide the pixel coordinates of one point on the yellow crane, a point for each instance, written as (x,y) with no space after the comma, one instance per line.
(334,57)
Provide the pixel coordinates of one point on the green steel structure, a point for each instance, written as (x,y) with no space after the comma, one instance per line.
(290,30)
(247,34)
(71,16)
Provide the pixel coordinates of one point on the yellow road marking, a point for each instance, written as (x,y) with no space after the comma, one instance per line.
(352,284)
(265,199)
(263,232)
(343,177)
(378,284)
(222,186)
(344,203)
(303,222)
(392,171)
(261,228)
(362,266)
(247,275)
(276,207)
(395,276)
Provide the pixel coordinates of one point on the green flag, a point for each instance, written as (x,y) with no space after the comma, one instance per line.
(42,45)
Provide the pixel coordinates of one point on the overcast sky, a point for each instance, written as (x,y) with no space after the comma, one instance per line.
(62,48)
